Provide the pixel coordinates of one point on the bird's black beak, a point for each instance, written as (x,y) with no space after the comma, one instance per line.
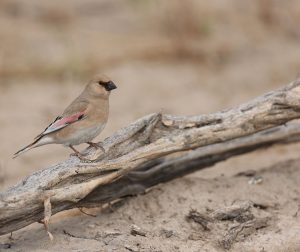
(110,86)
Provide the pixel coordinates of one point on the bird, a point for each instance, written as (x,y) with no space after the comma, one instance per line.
(83,120)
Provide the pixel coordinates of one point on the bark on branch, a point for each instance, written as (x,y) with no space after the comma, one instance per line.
(154,149)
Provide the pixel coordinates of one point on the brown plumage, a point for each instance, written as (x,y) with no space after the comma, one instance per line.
(82,120)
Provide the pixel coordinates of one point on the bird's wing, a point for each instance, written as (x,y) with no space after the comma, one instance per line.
(69,116)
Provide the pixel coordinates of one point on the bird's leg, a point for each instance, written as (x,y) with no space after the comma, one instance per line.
(96,146)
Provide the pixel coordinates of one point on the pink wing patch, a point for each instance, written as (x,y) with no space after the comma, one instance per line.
(61,122)
(67,120)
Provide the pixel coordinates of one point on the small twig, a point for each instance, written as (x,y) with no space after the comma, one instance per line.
(80,237)
(243,229)
(81,210)
(47,216)
(239,212)
(199,218)
(74,236)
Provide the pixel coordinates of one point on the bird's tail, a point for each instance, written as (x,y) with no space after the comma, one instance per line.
(38,142)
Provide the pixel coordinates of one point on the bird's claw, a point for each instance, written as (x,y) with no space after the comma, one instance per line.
(96,146)
(81,157)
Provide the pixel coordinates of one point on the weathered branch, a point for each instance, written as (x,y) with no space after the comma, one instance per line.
(154,149)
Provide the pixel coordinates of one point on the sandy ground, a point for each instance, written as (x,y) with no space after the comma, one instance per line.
(249,60)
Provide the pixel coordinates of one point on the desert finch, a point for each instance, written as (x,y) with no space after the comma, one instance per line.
(82,120)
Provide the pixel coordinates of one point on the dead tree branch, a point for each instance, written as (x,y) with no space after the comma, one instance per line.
(154,149)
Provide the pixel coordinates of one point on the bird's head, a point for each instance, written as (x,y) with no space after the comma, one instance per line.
(100,85)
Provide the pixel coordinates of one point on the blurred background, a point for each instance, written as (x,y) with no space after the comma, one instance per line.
(181,57)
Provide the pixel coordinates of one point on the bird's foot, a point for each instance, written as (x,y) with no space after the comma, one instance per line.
(80,156)
(96,146)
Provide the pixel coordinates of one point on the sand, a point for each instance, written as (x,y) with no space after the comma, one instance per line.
(248,61)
